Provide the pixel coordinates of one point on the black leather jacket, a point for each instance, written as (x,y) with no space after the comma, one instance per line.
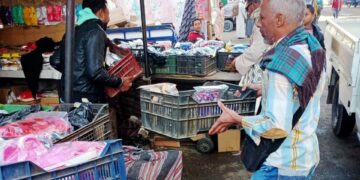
(89,73)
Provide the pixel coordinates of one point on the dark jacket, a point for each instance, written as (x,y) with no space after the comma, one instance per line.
(89,74)
(319,35)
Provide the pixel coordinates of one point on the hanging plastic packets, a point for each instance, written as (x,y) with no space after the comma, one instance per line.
(17,14)
(58,13)
(33,16)
(5,15)
(41,15)
(54,13)
(78,8)
(26,15)
(8,16)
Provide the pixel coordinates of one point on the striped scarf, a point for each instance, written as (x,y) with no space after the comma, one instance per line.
(291,64)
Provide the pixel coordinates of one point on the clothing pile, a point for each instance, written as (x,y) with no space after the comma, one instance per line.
(147,164)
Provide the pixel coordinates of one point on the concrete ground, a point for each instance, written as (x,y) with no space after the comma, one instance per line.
(340,158)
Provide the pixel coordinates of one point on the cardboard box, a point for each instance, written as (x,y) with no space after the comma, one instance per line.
(229,141)
(49,101)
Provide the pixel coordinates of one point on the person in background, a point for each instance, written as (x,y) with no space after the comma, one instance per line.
(311,26)
(89,74)
(247,63)
(336,6)
(196,34)
(320,6)
(240,19)
(285,91)
(218,23)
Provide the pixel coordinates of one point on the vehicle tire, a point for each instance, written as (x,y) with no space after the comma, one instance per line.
(342,123)
(228,26)
(205,145)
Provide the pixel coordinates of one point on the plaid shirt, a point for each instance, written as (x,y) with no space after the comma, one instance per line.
(300,150)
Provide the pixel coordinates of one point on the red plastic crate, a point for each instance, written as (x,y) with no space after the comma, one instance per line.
(128,66)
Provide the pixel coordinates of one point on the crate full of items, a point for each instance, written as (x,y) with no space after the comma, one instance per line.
(184,114)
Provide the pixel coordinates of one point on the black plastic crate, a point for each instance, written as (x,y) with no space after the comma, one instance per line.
(224,59)
(195,65)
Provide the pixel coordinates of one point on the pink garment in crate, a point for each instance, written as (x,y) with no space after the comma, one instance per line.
(35,126)
(31,148)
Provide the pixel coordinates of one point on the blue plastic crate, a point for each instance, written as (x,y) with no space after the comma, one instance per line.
(110,165)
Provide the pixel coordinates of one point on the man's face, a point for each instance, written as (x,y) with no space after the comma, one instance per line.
(197,26)
(266,22)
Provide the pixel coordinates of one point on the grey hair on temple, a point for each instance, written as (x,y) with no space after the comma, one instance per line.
(294,10)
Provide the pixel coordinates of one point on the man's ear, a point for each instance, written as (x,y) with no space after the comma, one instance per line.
(100,14)
(279,20)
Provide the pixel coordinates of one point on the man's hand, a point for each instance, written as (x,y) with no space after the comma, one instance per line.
(256,87)
(233,66)
(126,83)
(227,119)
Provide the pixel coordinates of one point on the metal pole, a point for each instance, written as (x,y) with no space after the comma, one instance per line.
(144,34)
(69,48)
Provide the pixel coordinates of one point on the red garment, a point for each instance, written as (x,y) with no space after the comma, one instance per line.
(337,4)
(194,36)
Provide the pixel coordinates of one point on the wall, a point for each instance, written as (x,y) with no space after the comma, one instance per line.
(23,35)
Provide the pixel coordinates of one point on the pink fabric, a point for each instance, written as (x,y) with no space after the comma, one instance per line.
(30,148)
(35,126)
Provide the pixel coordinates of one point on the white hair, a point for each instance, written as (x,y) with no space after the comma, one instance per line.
(294,10)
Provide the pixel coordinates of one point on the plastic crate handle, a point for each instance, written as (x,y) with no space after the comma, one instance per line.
(156,99)
(99,111)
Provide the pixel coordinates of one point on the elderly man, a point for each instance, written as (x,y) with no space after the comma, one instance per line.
(293,81)
(247,63)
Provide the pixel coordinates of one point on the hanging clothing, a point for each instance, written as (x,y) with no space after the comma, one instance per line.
(240,21)
(188,17)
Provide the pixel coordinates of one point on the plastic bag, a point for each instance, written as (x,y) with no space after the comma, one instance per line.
(9,118)
(38,126)
(81,116)
(163,88)
(47,156)
(204,94)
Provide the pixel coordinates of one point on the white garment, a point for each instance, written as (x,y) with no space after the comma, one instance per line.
(218,22)
(240,21)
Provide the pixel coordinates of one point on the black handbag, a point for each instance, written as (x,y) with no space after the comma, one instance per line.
(253,156)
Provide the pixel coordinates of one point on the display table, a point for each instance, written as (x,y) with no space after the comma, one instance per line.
(45,74)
